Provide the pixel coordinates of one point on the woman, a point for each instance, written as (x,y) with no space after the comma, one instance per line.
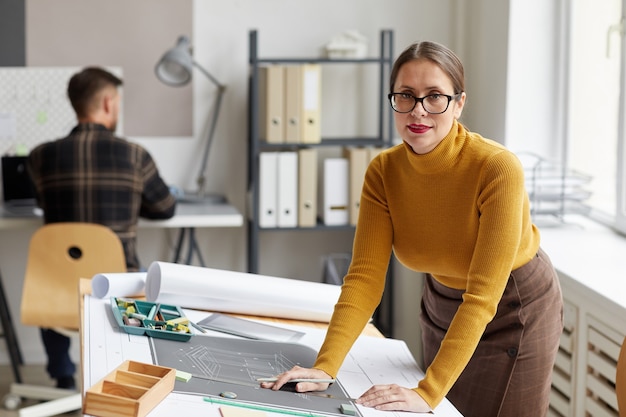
(453,204)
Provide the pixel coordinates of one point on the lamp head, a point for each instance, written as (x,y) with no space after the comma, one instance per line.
(175,66)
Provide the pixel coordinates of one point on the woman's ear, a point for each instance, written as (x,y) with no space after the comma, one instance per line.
(458,106)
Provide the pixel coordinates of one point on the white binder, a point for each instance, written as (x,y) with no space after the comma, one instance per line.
(287,189)
(268,193)
(334,204)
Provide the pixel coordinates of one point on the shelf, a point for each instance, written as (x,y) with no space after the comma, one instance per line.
(382,138)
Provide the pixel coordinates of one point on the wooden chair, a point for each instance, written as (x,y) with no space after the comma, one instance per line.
(59,255)
(620,380)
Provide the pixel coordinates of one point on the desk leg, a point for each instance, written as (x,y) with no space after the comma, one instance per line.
(179,244)
(192,246)
(8,332)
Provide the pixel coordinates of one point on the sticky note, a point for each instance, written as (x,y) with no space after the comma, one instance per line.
(348,409)
(183,376)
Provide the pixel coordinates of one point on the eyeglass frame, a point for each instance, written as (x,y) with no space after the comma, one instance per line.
(421,100)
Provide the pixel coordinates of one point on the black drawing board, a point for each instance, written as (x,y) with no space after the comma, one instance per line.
(220,364)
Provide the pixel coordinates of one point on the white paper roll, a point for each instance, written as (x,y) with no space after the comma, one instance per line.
(240,292)
(126,284)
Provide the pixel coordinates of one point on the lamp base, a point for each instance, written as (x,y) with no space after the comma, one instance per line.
(192,197)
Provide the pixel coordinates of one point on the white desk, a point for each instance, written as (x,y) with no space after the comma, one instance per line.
(187,215)
(187,218)
(373,360)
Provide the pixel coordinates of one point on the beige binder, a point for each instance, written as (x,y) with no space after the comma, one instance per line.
(311,102)
(373,152)
(271,103)
(293,103)
(358,159)
(307,187)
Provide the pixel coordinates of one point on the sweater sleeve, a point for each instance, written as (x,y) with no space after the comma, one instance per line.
(364,284)
(500,204)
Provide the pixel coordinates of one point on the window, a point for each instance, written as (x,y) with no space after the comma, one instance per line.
(594,141)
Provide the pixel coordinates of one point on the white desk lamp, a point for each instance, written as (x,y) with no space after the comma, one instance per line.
(175,68)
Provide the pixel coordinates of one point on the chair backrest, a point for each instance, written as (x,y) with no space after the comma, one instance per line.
(620,380)
(59,255)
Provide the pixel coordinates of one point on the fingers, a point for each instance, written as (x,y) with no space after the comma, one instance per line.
(393,397)
(298,372)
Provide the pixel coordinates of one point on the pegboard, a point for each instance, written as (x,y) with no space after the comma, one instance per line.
(34,107)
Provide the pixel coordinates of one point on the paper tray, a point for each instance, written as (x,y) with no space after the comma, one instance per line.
(133,389)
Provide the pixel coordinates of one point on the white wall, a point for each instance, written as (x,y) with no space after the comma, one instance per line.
(477,29)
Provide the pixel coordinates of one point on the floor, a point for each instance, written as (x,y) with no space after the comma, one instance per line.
(32,375)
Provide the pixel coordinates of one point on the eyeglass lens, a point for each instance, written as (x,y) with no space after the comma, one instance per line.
(433,103)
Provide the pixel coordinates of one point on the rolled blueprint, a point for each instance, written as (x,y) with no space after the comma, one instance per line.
(239,292)
(126,284)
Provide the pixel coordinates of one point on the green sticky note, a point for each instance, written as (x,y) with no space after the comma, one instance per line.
(183,376)
(348,409)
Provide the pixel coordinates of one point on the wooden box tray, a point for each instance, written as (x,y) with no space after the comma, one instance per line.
(132,389)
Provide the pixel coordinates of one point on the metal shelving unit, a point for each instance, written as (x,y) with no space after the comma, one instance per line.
(382,137)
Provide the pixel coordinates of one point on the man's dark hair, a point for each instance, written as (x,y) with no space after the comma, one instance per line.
(85,85)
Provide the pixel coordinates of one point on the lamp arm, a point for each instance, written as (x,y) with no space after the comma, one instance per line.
(218,104)
(208,75)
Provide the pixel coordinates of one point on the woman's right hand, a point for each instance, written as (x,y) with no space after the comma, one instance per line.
(298,372)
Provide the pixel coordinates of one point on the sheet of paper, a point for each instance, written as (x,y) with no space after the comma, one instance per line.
(128,284)
(240,292)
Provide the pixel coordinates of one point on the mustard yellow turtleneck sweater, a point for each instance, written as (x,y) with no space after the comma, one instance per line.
(460,213)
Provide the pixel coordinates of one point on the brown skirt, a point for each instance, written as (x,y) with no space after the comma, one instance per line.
(510,372)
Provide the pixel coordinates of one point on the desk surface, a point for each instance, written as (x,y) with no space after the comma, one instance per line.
(187,215)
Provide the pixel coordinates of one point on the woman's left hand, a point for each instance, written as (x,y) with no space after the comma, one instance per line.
(393,397)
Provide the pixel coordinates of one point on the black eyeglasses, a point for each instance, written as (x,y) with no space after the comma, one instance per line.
(432,103)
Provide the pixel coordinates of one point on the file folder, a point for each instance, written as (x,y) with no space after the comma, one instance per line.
(271,103)
(268,193)
(307,187)
(311,102)
(334,204)
(302,103)
(374,151)
(293,103)
(358,159)
(287,189)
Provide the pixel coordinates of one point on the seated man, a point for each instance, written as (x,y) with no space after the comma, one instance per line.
(96,177)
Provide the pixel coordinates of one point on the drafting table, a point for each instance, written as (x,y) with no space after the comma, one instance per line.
(373,360)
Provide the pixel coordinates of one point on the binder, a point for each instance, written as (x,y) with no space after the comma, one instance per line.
(358,159)
(271,103)
(287,189)
(374,151)
(334,204)
(268,193)
(303,103)
(293,103)
(307,187)
(311,103)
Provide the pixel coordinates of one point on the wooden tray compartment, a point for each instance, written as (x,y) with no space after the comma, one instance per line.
(133,389)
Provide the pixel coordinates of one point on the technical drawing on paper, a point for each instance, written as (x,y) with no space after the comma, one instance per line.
(221,364)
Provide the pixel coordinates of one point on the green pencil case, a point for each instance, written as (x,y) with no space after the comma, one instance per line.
(150,319)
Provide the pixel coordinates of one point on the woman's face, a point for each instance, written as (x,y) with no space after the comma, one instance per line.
(421,130)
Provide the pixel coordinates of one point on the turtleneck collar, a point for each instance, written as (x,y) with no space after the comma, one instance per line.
(443,156)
